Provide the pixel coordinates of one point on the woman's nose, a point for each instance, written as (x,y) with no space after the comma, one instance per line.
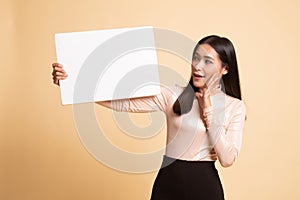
(198,66)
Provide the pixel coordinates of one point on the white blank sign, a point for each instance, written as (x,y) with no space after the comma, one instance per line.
(108,64)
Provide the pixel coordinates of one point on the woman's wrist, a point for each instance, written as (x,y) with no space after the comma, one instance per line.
(206,116)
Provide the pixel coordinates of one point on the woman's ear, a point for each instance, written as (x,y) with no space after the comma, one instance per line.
(225,70)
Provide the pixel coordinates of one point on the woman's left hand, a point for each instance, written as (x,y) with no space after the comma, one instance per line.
(211,87)
(203,97)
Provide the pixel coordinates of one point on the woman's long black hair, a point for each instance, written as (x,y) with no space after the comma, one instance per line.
(231,80)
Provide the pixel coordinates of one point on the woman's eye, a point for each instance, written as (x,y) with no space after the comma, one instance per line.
(195,58)
(208,62)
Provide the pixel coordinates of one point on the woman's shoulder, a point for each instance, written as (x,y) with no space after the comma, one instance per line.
(235,103)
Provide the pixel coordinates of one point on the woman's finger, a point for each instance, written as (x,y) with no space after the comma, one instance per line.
(213,83)
(56,82)
(213,79)
(59,69)
(198,94)
(59,77)
(57,65)
(60,74)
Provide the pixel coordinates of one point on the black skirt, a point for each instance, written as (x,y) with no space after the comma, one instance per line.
(187,180)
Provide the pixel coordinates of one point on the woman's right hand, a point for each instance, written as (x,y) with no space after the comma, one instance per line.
(58,73)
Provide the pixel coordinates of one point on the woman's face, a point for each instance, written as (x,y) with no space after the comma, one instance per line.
(206,66)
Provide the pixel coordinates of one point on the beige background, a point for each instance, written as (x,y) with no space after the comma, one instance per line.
(41,156)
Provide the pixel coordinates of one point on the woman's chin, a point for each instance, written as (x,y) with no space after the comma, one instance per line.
(198,84)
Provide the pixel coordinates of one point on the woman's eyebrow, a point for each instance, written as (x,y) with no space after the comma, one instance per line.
(209,57)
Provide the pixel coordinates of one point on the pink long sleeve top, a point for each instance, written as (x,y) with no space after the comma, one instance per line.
(187,136)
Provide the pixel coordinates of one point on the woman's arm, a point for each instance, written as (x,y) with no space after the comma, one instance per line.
(107,104)
(141,104)
(227,140)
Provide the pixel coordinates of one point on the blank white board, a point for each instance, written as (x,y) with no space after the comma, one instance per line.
(108,64)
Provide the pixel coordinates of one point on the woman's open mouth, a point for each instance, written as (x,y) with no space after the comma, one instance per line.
(198,76)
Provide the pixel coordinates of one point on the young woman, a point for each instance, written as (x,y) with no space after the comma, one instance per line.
(205,122)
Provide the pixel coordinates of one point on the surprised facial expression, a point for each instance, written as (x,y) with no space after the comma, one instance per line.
(206,65)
